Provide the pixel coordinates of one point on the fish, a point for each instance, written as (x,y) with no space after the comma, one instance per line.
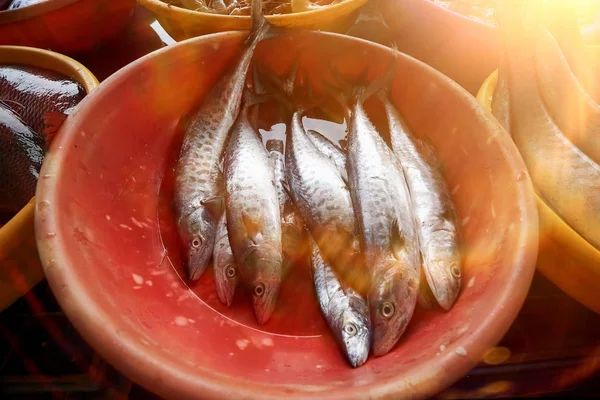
(436,216)
(253,216)
(23,3)
(345,311)
(382,202)
(21,157)
(275,149)
(425,297)
(331,150)
(198,198)
(225,269)
(319,192)
(292,227)
(38,94)
(573,110)
(566,178)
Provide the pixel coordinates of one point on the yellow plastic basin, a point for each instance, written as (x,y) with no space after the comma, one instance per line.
(564,257)
(182,24)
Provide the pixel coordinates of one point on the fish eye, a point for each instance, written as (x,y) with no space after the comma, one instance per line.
(350,329)
(196,242)
(230,272)
(388,309)
(259,290)
(455,271)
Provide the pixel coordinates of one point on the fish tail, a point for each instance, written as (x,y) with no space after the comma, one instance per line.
(260,28)
(282,88)
(379,85)
(275,145)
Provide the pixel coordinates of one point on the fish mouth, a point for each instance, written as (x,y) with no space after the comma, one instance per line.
(198,261)
(387,329)
(358,353)
(444,285)
(386,336)
(265,305)
(225,293)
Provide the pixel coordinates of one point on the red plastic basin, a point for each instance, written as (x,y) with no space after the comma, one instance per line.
(109,248)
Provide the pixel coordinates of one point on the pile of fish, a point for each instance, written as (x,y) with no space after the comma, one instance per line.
(242,7)
(14,4)
(547,98)
(374,219)
(33,104)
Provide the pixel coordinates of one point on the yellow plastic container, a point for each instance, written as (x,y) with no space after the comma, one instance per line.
(564,257)
(20,267)
(182,24)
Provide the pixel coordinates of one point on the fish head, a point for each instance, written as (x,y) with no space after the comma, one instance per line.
(392,300)
(355,330)
(198,239)
(226,273)
(264,282)
(444,277)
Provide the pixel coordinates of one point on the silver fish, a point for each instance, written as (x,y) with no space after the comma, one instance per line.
(226,272)
(323,200)
(275,149)
(382,202)
(198,194)
(434,211)
(327,147)
(344,310)
(318,190)
(292,227)
(253,217)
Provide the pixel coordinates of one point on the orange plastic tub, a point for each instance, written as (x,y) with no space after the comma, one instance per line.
(107,239)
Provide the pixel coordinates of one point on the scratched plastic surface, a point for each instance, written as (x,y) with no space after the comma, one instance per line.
(31,92)
(107,239)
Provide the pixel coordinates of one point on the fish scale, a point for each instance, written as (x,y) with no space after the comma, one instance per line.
(32,92)
(345,311)
(381,198)
(253,217)
(321,196)
(198,183)
(433,208)
(21,156)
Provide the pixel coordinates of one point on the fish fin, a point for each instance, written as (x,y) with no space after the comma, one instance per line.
(252,227)
(425,296)
(286,188)
(213,204)
(341,171)
(274,145)
(258,22)
(365,91)
(323,137)
(52,123)
(338,95)
(256,81)
(251,98)
(261,28)
(398,241)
